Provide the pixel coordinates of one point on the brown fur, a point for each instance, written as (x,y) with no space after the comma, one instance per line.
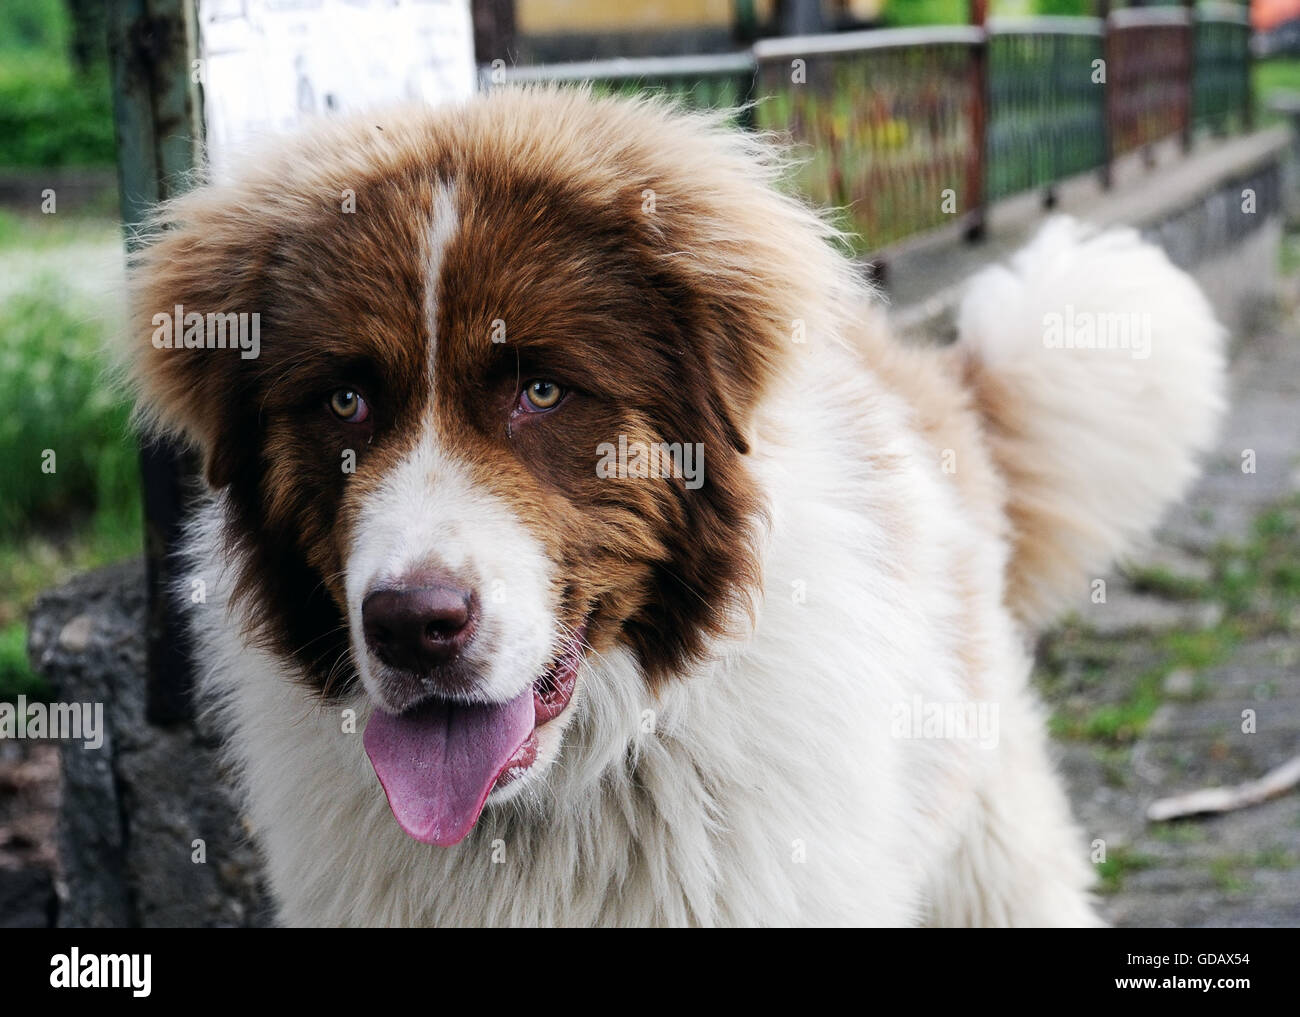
(666,324)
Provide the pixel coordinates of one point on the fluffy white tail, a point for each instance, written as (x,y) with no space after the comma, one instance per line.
(1098,367)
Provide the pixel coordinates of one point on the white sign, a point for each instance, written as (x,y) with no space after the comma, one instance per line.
(268,65)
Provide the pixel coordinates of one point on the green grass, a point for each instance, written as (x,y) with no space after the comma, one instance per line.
(36,233)
(1201,649)
(87,512)
(957,12)
(1121,862)
(64,438)
(1279,73)
(1162,582)
(925,12)
(1233,873)
(1275,857)
(52,380)
(1180,834)
(1266,569)
(1276,74)
(16,676)
(1290,259)
(32,564)
(1115,723)
(1229,875)
(1123,718)
(1257,582)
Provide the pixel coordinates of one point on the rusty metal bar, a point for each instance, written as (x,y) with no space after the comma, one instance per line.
(886,118)
(1148,77)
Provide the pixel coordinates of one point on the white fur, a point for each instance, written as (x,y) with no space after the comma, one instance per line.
(769,786)
(444,222)
(1107,437)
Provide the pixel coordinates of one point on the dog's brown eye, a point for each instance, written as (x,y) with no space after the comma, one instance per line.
(541,395)
(348,405)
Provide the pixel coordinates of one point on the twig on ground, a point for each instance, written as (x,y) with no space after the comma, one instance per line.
(1226,799)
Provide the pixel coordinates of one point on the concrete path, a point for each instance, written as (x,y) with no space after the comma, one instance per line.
(1157,691)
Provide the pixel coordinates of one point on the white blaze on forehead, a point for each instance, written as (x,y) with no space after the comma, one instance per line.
(428,513)
(442,228)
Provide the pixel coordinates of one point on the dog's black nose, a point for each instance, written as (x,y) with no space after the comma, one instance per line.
(421,626)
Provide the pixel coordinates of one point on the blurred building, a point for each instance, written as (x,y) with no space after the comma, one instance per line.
(559,30)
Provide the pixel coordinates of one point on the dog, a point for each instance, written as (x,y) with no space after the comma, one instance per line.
(579,548)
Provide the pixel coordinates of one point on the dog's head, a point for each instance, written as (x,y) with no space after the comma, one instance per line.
(489,408)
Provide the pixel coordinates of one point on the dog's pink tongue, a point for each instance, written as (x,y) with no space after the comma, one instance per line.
(438,763)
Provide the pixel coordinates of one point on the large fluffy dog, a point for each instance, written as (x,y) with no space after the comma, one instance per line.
(579,549)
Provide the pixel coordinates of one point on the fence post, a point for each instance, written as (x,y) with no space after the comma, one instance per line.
(157,113)
(494,30)
(1107,114)
(975,185)
(748,92)
(1189,115)
(1248,114)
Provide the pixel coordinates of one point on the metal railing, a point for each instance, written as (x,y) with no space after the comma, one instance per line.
(1149,81)
(1221,76)
(886,118)
(725,81)
(1046,114)
(908,129)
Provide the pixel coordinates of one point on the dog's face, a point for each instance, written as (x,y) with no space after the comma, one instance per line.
(508,360)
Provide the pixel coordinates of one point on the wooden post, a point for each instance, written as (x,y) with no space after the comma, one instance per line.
(975,184)
(157,111)
(494,30)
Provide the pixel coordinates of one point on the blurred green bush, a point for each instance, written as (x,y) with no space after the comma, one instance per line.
(56,397)
(50,117)
(57,400)
(54,112)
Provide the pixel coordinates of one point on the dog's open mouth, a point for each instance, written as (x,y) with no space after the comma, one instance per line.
(439,761)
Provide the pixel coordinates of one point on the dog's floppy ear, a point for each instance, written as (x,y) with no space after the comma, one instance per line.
(196,291)
(756,275)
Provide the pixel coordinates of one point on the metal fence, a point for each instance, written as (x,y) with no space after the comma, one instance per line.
(1046,114)
(886,120)
(725,81)
(1148,67)
(907,129)
(1221,75)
